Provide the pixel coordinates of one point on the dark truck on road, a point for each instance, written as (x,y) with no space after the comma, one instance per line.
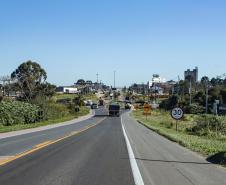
(101,102)
(114,109)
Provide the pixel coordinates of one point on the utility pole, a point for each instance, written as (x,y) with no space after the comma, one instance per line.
(97,78)
(207,94)
(178,84)
(190,91)
(114,78)
(155,92)
(97,81)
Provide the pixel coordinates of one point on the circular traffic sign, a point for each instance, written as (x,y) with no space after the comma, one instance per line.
(177,113)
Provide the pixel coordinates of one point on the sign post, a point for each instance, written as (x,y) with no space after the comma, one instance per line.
(146,109)
(177,114)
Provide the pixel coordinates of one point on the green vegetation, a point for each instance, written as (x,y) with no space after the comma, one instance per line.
(83,111)
(205,134)
(15,112)
(89,96)
(63,96)
(214,89)
(37,104)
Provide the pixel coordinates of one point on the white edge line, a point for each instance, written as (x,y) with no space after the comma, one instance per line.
(135,170)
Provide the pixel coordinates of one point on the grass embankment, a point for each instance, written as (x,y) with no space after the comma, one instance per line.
(83,111)
(92,97)
(162,123)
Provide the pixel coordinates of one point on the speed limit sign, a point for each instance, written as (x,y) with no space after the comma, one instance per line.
(177,113)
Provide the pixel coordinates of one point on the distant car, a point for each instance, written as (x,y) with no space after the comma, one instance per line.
(88,103)
(128,101)
(114,109)
(127,106)
(94,106)
(127,98)
(101,102)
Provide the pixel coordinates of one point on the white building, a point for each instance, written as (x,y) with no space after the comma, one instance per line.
(67,90)
(156,79)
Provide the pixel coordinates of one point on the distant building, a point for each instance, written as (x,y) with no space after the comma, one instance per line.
(191,75)
(156,79)
(157,89)
(67,90)
(139,88)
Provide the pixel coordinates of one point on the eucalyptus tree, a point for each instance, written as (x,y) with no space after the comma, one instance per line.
(29,76)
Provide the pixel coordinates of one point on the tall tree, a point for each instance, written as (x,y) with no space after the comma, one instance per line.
(46,89)
(204,80)
(29,76)
(81,82)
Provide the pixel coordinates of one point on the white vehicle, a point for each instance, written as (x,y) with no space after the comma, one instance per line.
(88,102)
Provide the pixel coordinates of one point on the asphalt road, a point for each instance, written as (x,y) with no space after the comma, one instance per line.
(162,162)
(99,156)
(18,144)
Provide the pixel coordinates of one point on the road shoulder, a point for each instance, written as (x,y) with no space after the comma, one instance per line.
(162,161)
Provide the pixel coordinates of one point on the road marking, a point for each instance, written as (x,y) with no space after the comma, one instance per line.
(37,147)
(3,158)
(42,144)
(135,170)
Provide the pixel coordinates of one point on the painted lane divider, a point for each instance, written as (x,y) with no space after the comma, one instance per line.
(43,144)
(138,180)
(37,147)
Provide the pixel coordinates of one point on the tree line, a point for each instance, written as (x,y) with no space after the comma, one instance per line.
(197,97)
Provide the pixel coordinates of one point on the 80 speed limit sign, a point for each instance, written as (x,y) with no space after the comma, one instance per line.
(177,113)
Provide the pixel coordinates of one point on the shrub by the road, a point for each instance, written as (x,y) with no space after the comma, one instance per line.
(55,111)
(209,125)
(169,103)
(16,112)
(194,108)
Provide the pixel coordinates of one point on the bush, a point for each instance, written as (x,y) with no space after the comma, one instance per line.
(209,124)
(79,100)
(55,111)
(194,109)
(49,109)
(64,101)
(169,103)
(15,112)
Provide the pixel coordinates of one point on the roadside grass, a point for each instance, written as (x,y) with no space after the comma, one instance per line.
(63,96)
(162,123)
(90,96)
(83,111)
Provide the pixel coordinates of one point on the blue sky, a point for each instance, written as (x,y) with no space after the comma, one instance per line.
(74,39)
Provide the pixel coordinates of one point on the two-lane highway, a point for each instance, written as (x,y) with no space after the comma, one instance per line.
(112,154)
(94,157)
(11,146)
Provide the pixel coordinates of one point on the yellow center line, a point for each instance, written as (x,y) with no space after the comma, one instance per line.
(45,144)
(42,144)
